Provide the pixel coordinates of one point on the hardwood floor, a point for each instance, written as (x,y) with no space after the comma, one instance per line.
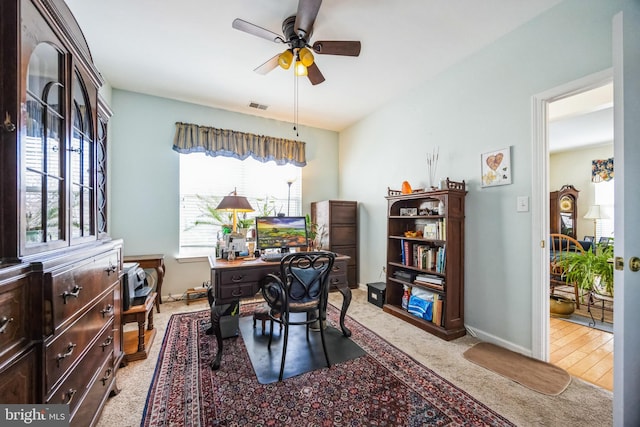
(582,351)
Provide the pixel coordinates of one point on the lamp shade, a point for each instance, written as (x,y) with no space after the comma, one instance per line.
(594,213)
(306,57)
(300,70)
(285,59)
(235,203)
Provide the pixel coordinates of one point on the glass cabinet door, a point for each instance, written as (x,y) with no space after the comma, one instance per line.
(81,163)
(44,177)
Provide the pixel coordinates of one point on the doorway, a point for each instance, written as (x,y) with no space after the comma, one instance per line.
(562,155)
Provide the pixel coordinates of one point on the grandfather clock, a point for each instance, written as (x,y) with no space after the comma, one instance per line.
(563,208)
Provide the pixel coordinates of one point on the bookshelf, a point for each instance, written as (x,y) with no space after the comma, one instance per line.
(425,252)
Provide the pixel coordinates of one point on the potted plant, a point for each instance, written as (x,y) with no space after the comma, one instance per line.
(591,270)
(315,233)
(209,215)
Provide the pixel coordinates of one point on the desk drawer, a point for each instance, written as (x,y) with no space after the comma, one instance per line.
(240,290)
(230,277)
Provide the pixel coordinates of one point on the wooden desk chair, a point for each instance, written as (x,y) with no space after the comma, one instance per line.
(302,287)
(560,246)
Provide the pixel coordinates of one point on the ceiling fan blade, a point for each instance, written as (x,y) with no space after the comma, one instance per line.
(345,48)
(248,27)
(268,66)
(314,74)
(305,17)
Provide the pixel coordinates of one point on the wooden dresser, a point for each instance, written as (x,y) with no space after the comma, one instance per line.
(337,222)
(60,272)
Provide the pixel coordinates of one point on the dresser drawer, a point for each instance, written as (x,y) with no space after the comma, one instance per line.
(343,235)
(74,288)
(14,317)
(97,361)
(88,411)
(18,381)
(344,212)
(65,349)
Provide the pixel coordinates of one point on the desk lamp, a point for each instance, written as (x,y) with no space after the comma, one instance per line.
(235,204)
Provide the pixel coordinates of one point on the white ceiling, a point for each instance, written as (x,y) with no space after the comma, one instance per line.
(187,50)
(585,119)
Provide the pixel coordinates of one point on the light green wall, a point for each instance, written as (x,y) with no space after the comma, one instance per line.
(574,168)
(479,105)
(144,178)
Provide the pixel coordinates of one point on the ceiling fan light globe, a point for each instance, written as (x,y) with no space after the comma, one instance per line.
(300,69)
(306,57)
(285,59)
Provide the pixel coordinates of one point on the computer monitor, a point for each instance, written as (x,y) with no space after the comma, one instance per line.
(281,232)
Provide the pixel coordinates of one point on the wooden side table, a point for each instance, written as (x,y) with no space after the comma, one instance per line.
(137,343)
(155,261)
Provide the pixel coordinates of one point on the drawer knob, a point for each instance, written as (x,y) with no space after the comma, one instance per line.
(73,293)
(111,269)
(69,352)
(4,322)
(106,343)
(107,310)
(68,395)
(106,377)
(237,278)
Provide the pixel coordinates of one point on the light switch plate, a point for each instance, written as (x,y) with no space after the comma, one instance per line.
(523,204)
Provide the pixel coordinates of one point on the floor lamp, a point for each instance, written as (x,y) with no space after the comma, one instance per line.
(289,182)
(594,214)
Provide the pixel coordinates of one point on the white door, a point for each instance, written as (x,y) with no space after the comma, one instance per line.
(626,78)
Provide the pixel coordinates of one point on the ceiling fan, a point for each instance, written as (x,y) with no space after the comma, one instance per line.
(297,30)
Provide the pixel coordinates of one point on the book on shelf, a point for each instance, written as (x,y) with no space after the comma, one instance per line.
(429,281)
(437,310)
(430,278)
(435,229)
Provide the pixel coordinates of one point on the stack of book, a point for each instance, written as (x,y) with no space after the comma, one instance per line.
(430,281)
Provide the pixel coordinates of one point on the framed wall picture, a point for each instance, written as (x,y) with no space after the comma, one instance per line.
(496,167)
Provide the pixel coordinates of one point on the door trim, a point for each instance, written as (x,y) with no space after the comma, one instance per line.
(540,203)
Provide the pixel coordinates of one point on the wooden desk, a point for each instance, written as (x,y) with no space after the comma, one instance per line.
(234,280)
(155,261)
(137,343)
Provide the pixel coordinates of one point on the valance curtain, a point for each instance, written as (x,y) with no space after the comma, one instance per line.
(190,138)
(602,170)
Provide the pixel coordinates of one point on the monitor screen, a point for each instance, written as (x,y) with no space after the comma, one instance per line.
(281,232)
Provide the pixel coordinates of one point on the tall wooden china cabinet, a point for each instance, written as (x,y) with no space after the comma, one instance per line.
(60,337)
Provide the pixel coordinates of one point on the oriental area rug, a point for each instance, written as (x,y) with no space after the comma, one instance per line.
(383,387)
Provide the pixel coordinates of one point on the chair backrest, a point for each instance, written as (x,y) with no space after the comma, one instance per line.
(306,275)
(559,246)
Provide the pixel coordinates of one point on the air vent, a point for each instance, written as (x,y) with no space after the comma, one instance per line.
(258,106)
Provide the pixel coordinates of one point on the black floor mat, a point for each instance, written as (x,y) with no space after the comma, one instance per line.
(302,355)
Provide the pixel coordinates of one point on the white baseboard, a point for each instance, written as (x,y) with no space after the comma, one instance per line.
(484,336)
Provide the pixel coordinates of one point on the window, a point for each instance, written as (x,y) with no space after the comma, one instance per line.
(205,180)
(605,198)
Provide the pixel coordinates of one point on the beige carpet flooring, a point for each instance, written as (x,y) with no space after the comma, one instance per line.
(581,404)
